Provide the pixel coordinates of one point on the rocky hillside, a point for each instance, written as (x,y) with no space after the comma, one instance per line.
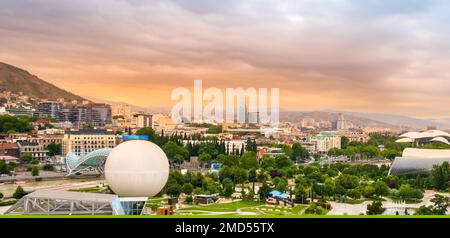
(18,80)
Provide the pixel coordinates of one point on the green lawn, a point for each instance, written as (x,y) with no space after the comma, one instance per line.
(224,207)
(8,202)
(87,190)
(156,202)
(270,210)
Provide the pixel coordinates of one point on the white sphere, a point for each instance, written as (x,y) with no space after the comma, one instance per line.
(137,168)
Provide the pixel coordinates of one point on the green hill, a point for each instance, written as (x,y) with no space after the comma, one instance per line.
(18,80)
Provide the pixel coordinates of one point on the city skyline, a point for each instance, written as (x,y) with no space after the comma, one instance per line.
(369,56)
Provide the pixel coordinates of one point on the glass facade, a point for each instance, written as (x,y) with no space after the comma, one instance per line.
(92,161)
(414,165)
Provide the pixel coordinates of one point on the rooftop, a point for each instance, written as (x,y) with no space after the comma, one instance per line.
(73,196)
(89,132)
(8,145)
(8,158)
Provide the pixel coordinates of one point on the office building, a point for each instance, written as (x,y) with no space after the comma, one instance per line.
(49,109)
(321,143)
(142,120)
(83,141)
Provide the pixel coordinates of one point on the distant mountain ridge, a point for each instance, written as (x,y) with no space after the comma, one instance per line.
(364,119)
(359,122)
(404,121)
(17,80)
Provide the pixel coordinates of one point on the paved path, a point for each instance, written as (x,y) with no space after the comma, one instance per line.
(357,209)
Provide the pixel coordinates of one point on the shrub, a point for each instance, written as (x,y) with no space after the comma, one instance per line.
(189,200)
(48,167)
(407,192)
(35,171)
(19,193)
(376,208)
(314,209)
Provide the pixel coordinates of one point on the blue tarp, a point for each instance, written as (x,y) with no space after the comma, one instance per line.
(274,192)
(278,194)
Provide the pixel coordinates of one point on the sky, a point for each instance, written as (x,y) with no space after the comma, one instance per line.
(353,55)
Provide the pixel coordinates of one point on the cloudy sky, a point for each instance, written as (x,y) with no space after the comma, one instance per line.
(354,55)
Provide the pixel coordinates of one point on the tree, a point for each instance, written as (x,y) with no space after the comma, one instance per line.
(407,192)
(381,188)
(425,210)
(19,193)
(268,162)
(228,160)
(344,142)
(54,149)
(282,161)
(298,152)
(48,167)
(280,184)
(213,129)
(390,154)
(368,191)
(240,175)
(173,189)
(440,175)
(329,187)
(300,194)
(440,204)
(210,185)
(11,165)
(26,157)
(370,151)
(13,124)
(187,188)
(264,191)
(208,148)
(376,208)
(439,207)
(227,187)
(35,171)
(335,152)
(1,195)
(350,151)
(249,161)
(147,131)
(314,209)
(189,200)
(174,152)
(354,193)
(205,158)
(226,172)
(347,181)
(250,145)
(3,167)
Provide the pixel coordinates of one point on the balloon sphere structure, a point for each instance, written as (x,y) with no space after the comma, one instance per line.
(137,168)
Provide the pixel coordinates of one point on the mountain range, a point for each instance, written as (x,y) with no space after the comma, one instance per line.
(17,80)
(364,119)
